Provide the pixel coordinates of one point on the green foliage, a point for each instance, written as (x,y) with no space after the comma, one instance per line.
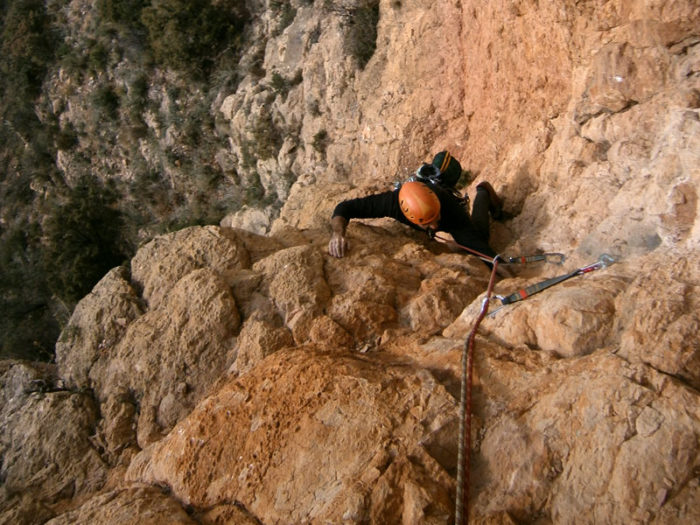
(126,12)
(282,85)
(137,93)
(286,13)
(279,84)
(257,62)
(254,191)
(267,137)
(106,101)
(98,55)
(362,36)
(361,23)
(27,325)
(320,142)
(188,35)
(26,46)
(83,239)
(66,138)
(89,229)
(26,49)
(28,329)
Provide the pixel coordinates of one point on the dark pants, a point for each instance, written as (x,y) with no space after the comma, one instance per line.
(480,213)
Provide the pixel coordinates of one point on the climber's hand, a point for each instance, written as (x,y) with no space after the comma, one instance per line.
(338,245)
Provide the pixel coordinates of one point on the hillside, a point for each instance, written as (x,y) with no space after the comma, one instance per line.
(237,373)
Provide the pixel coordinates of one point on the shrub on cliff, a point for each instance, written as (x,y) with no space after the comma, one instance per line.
(361,23)
(190,35)
(28,328)
(82,237)
(363,32)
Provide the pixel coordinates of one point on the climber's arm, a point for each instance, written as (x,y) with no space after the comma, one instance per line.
(338,244)
(370,207)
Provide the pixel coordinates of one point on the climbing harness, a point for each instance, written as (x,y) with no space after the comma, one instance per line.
(465,400)
(603,261)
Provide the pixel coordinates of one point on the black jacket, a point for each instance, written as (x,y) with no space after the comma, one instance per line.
(454,218)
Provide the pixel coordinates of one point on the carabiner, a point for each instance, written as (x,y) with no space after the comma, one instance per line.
(606,260)
(555,258)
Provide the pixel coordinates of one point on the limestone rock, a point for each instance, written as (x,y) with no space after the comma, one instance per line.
(605,447)
(45,444)
(116,430)
(63,463)
(570,319)
(137,504)
(268,440)
(166,355)
(262,380)
(249,219)
(294,282)
(660,323)
(441,298)
(257,340)
(96,325)
(160,264)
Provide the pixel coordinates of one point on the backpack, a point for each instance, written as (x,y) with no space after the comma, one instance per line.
(449,167)
(445,171)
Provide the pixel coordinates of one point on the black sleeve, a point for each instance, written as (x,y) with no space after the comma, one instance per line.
(384,204)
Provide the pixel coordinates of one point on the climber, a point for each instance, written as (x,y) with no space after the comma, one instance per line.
(425,204)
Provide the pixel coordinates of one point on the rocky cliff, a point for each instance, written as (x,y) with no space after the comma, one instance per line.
(239,374)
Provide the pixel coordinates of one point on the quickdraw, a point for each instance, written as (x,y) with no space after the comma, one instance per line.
(603,261)
(464,445)
(552,258)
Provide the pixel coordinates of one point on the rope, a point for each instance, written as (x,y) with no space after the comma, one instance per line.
(465,400)
(554,258)
(480,255)
(465,409)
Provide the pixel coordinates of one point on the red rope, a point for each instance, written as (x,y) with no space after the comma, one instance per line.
(482,256)
(465,420)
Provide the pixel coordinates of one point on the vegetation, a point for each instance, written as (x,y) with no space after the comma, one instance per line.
(267,136)
(361,22)
(363,32)
(189,35)
(27,323)
(83,239)
(321,140)
(285,13)
(281,85)
(107,137)
(59,236)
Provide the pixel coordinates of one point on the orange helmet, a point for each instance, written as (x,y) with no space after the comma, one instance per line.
(419,203)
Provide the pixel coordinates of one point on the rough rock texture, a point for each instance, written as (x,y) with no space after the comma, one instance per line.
(97,323)
(257,378)
(135,504)
(181,253)
(311,436)
(45,443)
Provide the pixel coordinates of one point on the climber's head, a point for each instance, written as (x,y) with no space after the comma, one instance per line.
(419,204)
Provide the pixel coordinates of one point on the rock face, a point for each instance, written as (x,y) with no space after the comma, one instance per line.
(311,436)
(45,443)
(235,377)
